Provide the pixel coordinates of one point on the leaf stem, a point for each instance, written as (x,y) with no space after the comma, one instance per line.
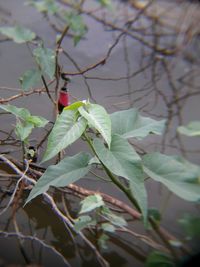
(123,188)
(129,195)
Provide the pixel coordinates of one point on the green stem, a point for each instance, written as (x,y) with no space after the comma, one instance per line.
(163,237)
(123,188)
(129,195)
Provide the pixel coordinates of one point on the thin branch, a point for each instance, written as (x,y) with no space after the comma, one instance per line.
(35,239)
(54,207)
(17,184)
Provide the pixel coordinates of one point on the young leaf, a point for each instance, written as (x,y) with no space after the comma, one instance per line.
(91,202)
(37,121)
(98,118)
(159,259)
(67,129)
(129,123)
(18,34)
(75,105)
(105,3)
(45,58)
(76,24)
(102,241)
(113,218)
(178,175)
(192,129)
(83,221)
(108,227)
(25,115)
(23,130)
(22,113)
(122,160)
(67,171)
(30,79)
(48,6)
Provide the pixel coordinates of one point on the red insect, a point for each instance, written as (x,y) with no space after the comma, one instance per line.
(63,100)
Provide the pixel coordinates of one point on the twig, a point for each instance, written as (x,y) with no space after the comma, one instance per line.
(23,175)
(147,240)
(54,207)
(35,239)
(23,94)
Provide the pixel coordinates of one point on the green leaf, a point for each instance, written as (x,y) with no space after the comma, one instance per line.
(25,115)
(159,259)
(37,121)
(106,3)
(191,225)
(113,218)
(83,221)
(76,24)
(98,118)
(192,129)
(102,241)
(178,175)
(75,105)
(122,160)
(155,214)
(30,79)
(67,171)
(23,130)
(22,113)
(91,203)
(48,6)
(108,227)
(45,58)
(67,129)
(18,34)
(129,123)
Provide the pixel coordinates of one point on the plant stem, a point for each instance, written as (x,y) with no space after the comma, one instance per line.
(129,195)
(163,237)
(123,188)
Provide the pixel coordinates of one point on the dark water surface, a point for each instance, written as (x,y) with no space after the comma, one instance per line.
(109,88)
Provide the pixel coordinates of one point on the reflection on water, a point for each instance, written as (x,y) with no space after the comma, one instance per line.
(153,66)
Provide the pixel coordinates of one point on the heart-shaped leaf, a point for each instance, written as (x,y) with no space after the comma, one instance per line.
(178,175)
(122,160)
(25,121)
(113,218)
(91,203)
(23,130)
(45,58)
(67,129)
(22,113)
(83,221)
(37,121)
(128,124)
(48,6)
(30,79)
(98,118)
(67,171)
(18,34)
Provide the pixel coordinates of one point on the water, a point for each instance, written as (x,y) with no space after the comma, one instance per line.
(110,87)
